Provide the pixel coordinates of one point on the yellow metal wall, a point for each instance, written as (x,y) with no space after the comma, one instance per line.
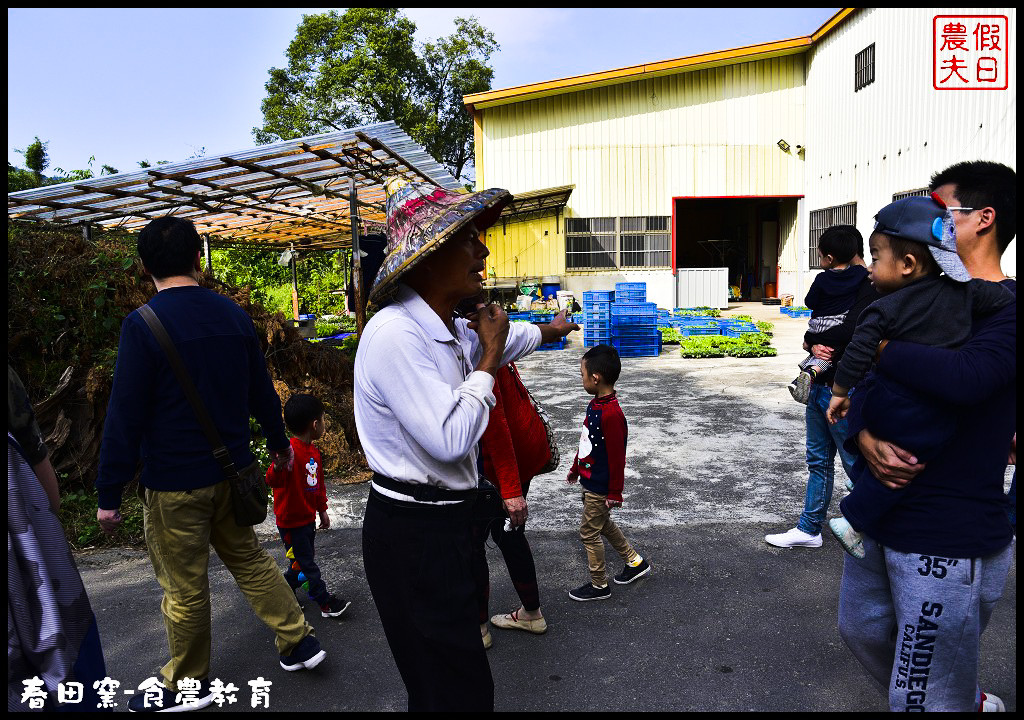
(533,247)
(630,148)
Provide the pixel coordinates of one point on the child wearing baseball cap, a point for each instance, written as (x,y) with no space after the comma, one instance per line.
(928,298)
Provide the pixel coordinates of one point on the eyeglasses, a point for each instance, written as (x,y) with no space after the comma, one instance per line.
(961,209)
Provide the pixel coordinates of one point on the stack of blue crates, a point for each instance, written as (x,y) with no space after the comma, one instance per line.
(597,315)
(634,322)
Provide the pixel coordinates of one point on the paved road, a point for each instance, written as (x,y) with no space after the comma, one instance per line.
(724,622)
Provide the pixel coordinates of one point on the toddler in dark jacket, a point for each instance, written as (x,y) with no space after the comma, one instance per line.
(912,243)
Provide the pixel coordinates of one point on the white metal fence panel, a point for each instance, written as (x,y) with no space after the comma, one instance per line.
(703,287)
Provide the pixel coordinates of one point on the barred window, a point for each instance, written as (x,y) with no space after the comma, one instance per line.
(645,242)
(608,242)
(864,68)
(822,220)
(590,243)
(920,192)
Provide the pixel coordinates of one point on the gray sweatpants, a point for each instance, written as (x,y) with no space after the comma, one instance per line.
(915,622)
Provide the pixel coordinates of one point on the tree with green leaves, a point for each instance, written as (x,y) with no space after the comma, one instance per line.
(364,66)
(36,157)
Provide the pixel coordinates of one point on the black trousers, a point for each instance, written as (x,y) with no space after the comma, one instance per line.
(418,567)
(515,548)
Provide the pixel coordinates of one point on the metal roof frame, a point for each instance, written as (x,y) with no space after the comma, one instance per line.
(294,192)
(534,203)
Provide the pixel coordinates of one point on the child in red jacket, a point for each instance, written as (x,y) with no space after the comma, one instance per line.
(299,496)
(600,466)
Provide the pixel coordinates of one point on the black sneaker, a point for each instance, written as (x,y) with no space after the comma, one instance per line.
(589,592)
(334,607)
(169,702)
(306,655)
(629,574)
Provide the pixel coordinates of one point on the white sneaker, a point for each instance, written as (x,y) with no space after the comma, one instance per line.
(991,703)
(793,538)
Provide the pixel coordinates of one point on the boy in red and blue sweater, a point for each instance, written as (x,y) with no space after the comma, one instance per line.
(600,467)
(299,496)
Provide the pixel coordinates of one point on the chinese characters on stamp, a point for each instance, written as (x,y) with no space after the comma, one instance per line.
(970,52)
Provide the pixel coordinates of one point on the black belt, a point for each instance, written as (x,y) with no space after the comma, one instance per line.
(422,492)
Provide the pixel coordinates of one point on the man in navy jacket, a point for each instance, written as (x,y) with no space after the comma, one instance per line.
(186,498)
(913,610)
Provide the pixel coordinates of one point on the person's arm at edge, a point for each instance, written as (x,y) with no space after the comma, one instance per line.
(48,479)
(130,395)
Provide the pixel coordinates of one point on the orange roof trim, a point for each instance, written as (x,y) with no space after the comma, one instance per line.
(636,72)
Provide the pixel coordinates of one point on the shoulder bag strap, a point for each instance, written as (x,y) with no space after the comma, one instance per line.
(209,429)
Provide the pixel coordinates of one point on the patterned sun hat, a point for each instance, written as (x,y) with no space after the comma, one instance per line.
(420,218)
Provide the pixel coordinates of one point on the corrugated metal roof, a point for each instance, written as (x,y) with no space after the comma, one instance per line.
(761,51)
(291,192)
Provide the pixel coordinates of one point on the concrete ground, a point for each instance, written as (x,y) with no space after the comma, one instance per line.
(724,621)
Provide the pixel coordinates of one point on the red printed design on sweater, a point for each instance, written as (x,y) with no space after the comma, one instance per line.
(299,493)
(601,459)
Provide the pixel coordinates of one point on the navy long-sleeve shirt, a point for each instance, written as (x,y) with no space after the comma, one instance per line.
(956,507)
(150,418)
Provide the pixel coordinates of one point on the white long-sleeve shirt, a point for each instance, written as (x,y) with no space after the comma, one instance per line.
(420,407)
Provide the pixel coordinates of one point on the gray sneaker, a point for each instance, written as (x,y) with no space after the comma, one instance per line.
(800,388)
(851,540)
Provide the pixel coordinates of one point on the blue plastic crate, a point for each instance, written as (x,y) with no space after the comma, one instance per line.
(598,309)
(598,296)
(596,326)
(635,331)
(542,317)
(645,309)
(631,286)
(636,348)
(556,345)
(699,330)
(631,298)
(785,309)
(736,332)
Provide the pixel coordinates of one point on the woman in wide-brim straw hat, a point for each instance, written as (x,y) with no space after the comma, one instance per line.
(423,394)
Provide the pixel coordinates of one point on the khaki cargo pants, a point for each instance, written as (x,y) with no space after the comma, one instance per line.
(180,527)
(597,521)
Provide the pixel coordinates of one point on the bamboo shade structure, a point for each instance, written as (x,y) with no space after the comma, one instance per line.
(291,193)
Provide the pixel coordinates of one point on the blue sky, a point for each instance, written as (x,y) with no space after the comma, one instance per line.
(160,84)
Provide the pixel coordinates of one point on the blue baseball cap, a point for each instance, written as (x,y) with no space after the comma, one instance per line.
(925,220)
